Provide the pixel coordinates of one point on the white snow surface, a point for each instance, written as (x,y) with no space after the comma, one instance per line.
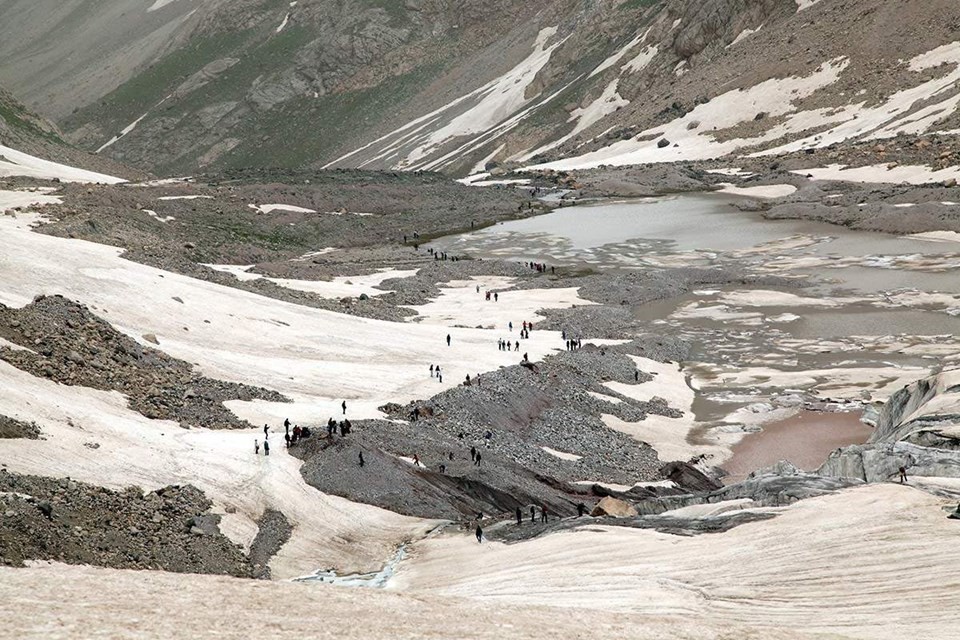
(640,62)
(762,191)
(49,601)
(496,102)
(337,287)
(725,111)
(315,357)
(459,304)
(185,198)
(900,174)
(563,455)
(885,530)
(805,4)
(743,35)
(608,102)
(10,200)
(616,57)
(270,208)
(155,453)
(17,163)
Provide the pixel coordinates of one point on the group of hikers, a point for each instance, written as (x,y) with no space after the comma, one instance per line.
(544,518)
(292,436)
(539,267)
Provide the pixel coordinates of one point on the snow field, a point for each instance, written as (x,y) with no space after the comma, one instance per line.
(338,287)
(857,558)
(17,163)
(316,358)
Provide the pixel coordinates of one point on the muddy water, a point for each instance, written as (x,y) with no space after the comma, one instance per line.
(805,440)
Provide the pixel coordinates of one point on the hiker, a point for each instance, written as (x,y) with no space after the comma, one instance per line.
(431,371)
(479,534)
(256,447)
(478,288)
(533,513)
(903,474)
(510,326)
(543,514)
(286,437)
(436,369)
(496,297)
(286,424)
(526,357)
(636,375)
(488,296)
(488,435)
(516,347)
(343,405)
(440,377)
(266,447)
(361,458)
(468,379)
(473,454)
(416,460)
(451,455)
(266,431)
(477,461)
(581,509)
(519,516)
(443,468)
(448,339)
(297,433)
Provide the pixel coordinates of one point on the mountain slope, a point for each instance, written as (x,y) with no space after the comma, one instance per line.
(436,85)
(32,146)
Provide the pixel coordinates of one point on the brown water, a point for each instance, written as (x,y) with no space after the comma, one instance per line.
(805,440)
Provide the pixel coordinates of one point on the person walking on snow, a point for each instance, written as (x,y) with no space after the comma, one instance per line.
(266,431)
(448,339)
(519,516)
(344,406)
(903,474)
(473,454)
(266,447)
(431,371)
(479,533)
(510,325)
(256,447)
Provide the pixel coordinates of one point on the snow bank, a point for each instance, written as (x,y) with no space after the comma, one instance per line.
(668,436)
(135,450)
(59,601)
(16,163)
(338,287)
(317,357)
(10,200)
(474,114)
(270,208)
(723,112)
(856,558)
(460,304)
(900,174)
(762,191)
